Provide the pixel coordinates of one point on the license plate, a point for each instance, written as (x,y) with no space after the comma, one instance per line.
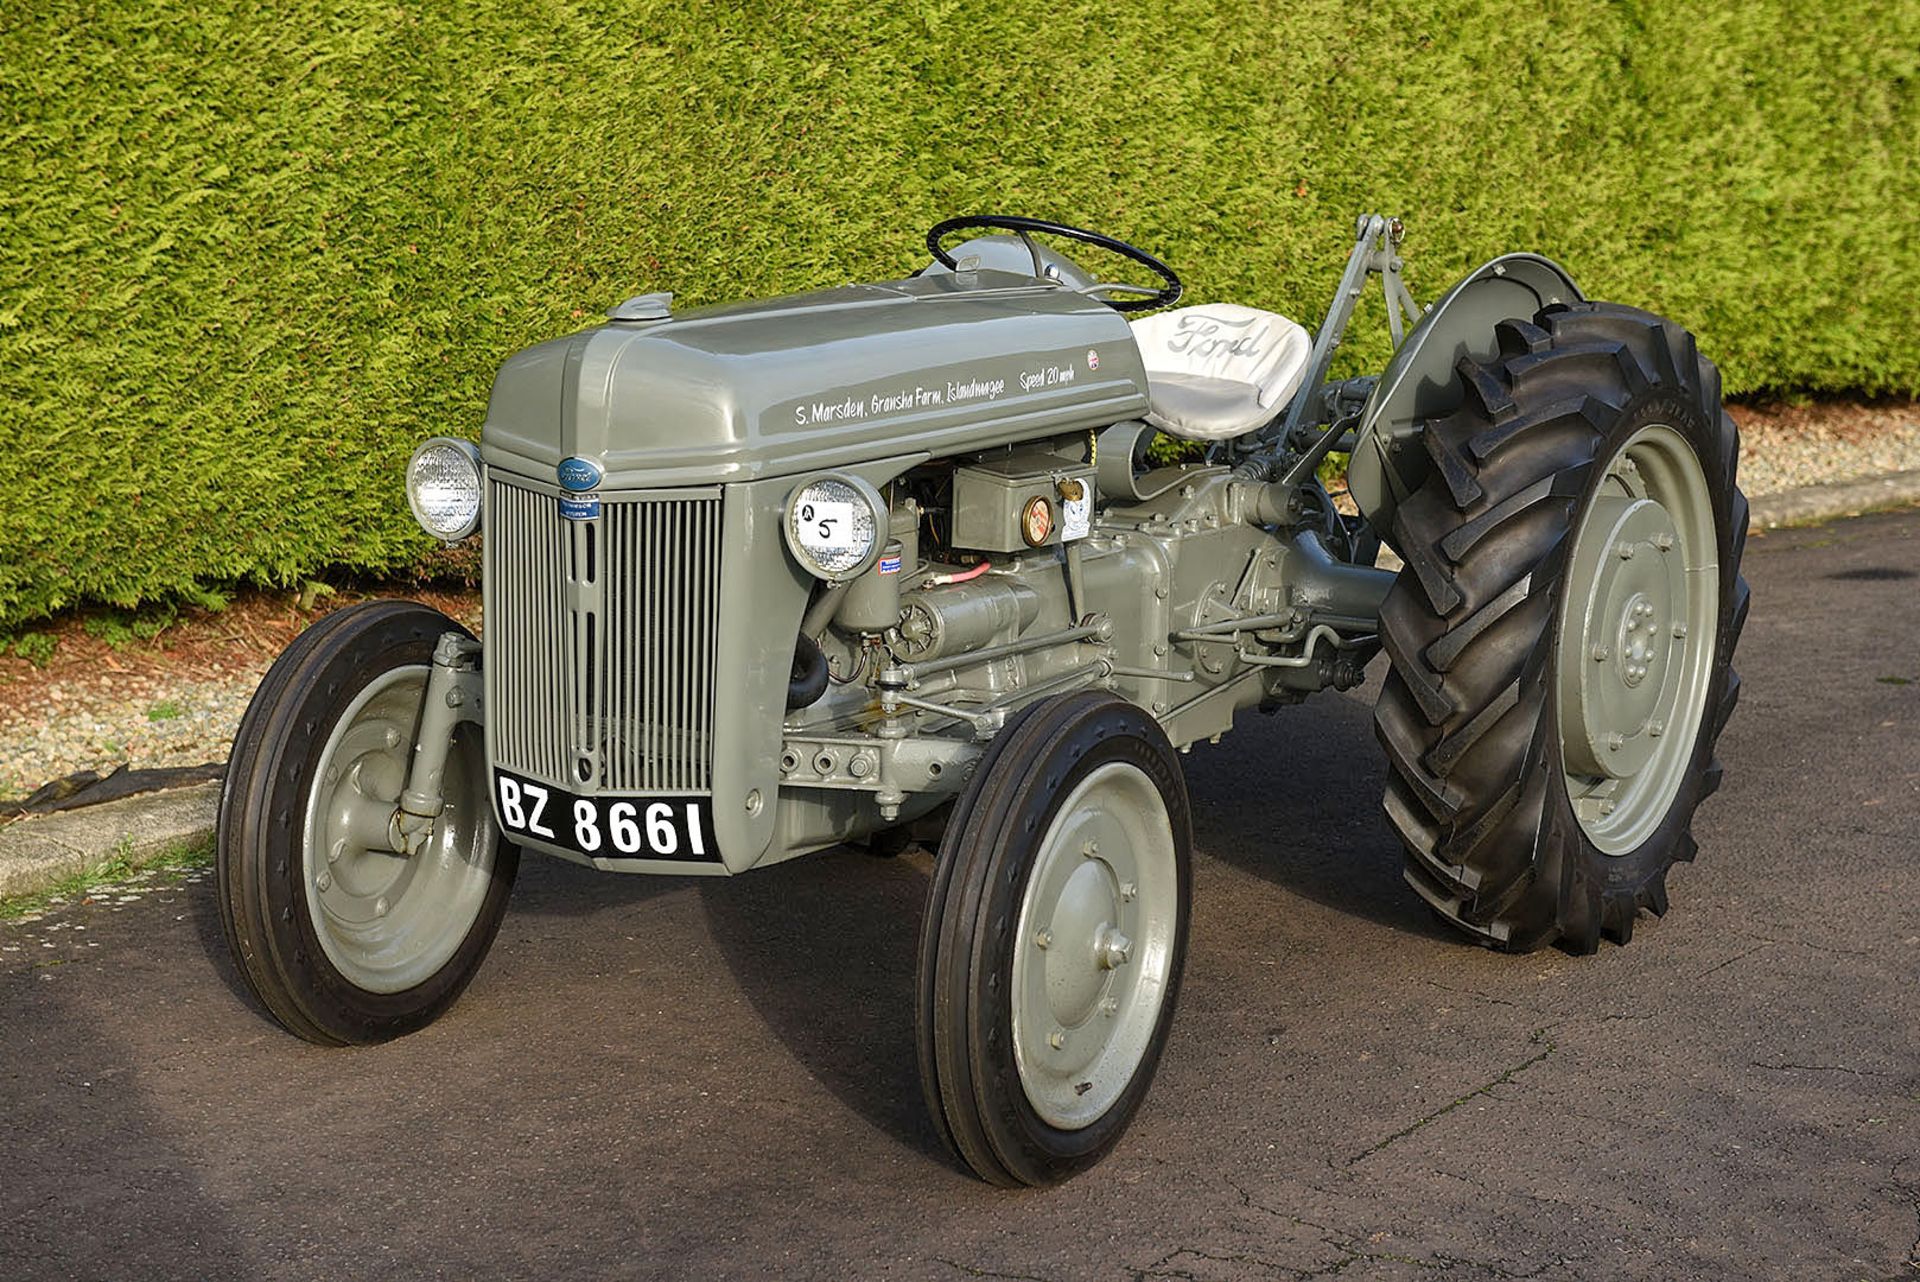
(605,827)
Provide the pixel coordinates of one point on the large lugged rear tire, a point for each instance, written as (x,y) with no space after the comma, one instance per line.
(341,939)
(1561,638)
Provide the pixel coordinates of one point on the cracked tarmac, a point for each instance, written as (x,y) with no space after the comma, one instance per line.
(657,1078)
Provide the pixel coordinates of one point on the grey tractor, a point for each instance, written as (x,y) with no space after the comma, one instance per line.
(892,563)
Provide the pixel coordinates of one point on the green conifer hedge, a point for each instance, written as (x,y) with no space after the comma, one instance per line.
(250,254)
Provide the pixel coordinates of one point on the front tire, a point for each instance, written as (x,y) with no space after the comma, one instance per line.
(342,940)
(1055,932)
(1562,636)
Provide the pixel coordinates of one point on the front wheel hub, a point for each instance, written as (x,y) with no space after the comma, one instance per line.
(388,920)
(1092,960)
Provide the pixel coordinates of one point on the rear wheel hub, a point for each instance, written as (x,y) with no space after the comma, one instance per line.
(1636,638)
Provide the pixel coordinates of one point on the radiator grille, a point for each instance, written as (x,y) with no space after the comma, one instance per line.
(600,639)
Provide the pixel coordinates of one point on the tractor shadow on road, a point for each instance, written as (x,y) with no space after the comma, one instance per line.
(545,887)
(1294,799)
(824,948)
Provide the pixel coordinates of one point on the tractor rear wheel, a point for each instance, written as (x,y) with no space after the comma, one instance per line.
(1561,638)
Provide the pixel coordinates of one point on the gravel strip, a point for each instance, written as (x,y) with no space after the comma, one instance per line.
(1784,449)
(153,719)
(145,721)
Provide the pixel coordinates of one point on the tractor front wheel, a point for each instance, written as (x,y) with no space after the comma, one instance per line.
(1051,951)
(341,937)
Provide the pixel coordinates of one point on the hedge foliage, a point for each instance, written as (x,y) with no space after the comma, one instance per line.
(250,253)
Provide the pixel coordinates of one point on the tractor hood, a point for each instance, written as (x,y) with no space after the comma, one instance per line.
(931,365)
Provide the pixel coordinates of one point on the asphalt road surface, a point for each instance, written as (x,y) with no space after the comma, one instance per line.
(656,1078)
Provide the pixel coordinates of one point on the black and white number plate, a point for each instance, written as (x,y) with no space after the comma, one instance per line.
(678,828)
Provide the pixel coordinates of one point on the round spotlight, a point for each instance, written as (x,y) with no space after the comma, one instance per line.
(443,488)
(833,525)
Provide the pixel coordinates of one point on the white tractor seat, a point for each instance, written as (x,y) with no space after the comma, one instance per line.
(1219,370)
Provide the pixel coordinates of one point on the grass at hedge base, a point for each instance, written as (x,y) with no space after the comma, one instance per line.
(249,255)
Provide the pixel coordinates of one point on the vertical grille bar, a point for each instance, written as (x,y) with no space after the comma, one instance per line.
(674,650)
(600,639)
(650,647)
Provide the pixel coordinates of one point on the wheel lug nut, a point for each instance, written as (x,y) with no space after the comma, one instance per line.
(1109,1006)
(1601,654)
(1626,551)
(1128,890)
(1091,849)
(1043,940)
(380,906)
(1656,728)
(1056,1039)
(323,881)
(1606,807)
(1664,542)
(333,775)
(1616,741)
(1679,631)
(392,737)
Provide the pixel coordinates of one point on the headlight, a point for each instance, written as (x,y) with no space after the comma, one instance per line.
(443,488)
(833,526)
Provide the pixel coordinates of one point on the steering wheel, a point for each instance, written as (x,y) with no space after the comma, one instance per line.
(1162,296)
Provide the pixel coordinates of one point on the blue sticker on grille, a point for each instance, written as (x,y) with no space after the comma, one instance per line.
(584,508)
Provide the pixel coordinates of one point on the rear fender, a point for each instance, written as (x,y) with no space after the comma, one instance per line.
(1420,384)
